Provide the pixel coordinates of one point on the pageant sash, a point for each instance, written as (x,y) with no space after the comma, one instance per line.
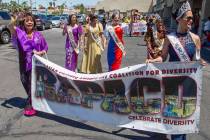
(179,49)
(97,39)
(116,39)
(71,38)
(157,41)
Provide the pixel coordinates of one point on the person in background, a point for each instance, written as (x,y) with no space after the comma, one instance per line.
(196,23)
(73,33)
(29,42)
(104,22)
(154,39)
(207,26)
(206,42)
(116,48)
(189,41)
(94,42)
(87,20)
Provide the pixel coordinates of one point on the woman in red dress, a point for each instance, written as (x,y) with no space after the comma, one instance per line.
(115,45)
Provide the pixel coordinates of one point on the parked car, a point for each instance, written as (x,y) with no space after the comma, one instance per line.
(49,17)
(64,20)
(56,21)
(42,22)
(65,15)
(101,18)
(5,34)
(81,18)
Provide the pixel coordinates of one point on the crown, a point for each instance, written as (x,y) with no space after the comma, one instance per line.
(184,8)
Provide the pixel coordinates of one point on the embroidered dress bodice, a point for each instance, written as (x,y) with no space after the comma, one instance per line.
(188,44)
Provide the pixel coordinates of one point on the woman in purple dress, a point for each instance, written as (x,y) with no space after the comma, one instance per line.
(29,42)
(73,33)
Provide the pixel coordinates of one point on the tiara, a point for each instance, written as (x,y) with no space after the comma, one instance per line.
(184,8)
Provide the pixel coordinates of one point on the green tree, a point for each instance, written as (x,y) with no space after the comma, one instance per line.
(81,7)
(50,4)
(14,6)
(24,6)
(54,3)
(61,8)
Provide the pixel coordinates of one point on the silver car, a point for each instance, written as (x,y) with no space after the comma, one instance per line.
(56,21)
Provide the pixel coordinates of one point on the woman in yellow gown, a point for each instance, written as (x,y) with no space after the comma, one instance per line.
(94,45)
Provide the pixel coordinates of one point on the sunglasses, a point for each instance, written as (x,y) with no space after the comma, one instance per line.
(188,18)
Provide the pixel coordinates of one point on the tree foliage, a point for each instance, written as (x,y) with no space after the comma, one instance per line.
(13,6)
(81,7)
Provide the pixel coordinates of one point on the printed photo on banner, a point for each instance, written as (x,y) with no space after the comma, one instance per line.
(154,97)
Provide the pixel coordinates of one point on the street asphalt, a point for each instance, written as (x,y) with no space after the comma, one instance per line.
(14,125)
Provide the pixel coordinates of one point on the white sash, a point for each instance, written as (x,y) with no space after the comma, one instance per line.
(116,39)
(97,39)
(179,49)
(72,41)
(157,41)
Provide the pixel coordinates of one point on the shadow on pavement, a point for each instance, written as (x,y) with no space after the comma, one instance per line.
(76,124)
(141,44)
(14,102)
(20,103)
(149,135)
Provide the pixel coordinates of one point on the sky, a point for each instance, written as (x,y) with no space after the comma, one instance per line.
(69,3)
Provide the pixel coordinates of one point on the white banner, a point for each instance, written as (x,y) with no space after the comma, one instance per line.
(163,98)
(139,27)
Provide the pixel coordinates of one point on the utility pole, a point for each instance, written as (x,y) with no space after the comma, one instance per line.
(31,4)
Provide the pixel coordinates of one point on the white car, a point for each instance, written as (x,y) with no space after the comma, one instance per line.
(56,21)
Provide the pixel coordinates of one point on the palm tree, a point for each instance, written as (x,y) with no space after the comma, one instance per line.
(50,4)
(54,3)
(13,6)
(61,8)
(24,6)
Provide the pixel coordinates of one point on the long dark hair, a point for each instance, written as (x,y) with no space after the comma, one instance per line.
(70,17)
(92,17)
(113,16)
(160,23)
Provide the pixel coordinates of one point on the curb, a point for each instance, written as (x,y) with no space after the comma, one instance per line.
(5,45)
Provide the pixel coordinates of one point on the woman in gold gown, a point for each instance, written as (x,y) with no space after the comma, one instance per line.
(94,42)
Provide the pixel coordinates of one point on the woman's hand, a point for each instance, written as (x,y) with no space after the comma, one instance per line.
(40,53)
(157,60)
(148,61)
(203,62)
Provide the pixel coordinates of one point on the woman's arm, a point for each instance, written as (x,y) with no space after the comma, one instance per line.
(196,40)
(44,47)
(104,40)
(12,25)
(101,34)
(64,30)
